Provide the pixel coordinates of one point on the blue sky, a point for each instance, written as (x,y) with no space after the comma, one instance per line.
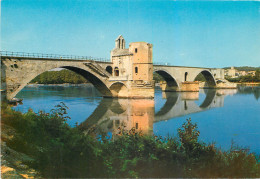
(183,33)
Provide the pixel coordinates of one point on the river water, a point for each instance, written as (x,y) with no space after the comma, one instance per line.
(225,117)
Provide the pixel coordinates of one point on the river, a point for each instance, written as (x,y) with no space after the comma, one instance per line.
(225,117)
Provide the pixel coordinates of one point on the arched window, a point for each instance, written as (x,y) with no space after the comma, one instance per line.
(135,50)
(136,69)
(116,71)
(185,77)
(109,69)
(123,43)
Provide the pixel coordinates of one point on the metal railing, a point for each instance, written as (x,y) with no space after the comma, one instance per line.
(50,56)
(162,63)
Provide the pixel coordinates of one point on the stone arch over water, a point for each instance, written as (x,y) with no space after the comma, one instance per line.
(210,80)
(171,83)
(118,89)
(15,79)
(97,82)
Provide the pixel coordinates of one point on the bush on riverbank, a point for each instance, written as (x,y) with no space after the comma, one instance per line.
(43,145)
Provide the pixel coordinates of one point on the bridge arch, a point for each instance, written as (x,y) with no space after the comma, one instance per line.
(171,83)
(118,89)
(97,82)
(18,78)
(210,80)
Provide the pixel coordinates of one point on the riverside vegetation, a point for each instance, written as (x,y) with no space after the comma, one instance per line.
(44,145)
(67,76)
(59,77)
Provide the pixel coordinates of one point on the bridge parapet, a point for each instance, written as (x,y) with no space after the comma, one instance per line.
(41,56)
(118,78)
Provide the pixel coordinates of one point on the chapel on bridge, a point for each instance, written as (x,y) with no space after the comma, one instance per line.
(133,63)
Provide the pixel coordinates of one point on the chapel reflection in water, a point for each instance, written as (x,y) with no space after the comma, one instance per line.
(115,115)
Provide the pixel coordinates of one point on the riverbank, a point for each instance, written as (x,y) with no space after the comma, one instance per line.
(43,143)
(248,84)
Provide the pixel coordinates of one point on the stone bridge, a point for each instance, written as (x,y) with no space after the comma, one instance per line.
(17,71)
(128,73)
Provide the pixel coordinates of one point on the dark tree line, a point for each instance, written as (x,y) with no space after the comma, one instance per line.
(67,76)
(59,77)
(157,78)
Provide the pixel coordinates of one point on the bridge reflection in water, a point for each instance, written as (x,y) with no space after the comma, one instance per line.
(115,114)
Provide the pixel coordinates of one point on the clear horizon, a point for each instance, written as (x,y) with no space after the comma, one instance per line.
(213,34)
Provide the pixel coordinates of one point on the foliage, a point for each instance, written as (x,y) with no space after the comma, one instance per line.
(55,149)
(245,68)
(45,143)
(200,77)
(157,78)
(59,77)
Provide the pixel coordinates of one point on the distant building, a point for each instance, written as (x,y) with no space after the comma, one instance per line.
(232,72)
(252,73)
(242,73)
